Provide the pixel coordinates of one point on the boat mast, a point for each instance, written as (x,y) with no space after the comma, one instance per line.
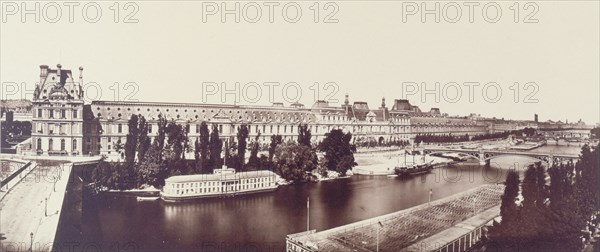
(307,213)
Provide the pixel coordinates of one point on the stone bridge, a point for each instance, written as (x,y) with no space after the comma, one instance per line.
(484,156)
(569,135)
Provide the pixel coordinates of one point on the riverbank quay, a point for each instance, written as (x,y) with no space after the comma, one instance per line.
(30,211)
(13,171)
(400,230)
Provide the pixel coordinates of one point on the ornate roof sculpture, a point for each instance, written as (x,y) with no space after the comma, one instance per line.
(58,84)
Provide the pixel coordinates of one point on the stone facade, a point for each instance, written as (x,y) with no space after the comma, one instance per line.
(63,125)
(57,113)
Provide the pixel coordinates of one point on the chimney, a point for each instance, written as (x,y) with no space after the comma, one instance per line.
(58,71)
(346,102)
(79,89)
(43,73)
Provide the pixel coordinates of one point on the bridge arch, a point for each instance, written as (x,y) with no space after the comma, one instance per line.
(475,155)
(485,156)
(490,156)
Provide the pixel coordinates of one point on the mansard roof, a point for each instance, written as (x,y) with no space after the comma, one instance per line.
(57,84)
(193,112)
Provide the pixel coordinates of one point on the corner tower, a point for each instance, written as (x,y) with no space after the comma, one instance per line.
(57,123)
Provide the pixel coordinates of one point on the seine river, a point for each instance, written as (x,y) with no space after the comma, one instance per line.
(260,222)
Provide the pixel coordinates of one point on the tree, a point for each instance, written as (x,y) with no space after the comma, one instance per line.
(101,176)
(161,134)
(143,139)
(554,216)
(530,187)
(529,131)
(508,207)
(275,140)
(558,186)
(294,162)
(242,136)
(232,159)
(345,163)
(253,160)
(508,229)
(337,146)
(175,141)
(152,171)
(587,178)
(119,147)
(595,132)
(265,163)
(204,143)
(304,135)
(132,138)
(540,173)
(126,172)
(197,165)
(185,141)
(216,145)
(322,167)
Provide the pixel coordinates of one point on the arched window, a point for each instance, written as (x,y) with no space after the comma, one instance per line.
(39,144)
(74,146)
(62,144)
(50,142)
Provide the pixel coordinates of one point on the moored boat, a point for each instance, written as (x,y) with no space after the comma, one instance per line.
(142,198)
(222,183)
(402,171)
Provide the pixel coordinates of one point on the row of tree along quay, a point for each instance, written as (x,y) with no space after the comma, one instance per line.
(554,209)
(149,163)
(445,138)
(449,138)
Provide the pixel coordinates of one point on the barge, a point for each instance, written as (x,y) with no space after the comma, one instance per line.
(224,182)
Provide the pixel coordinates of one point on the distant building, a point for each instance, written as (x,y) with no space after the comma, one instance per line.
(20,109)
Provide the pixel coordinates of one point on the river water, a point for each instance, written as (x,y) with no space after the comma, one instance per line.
(260,222)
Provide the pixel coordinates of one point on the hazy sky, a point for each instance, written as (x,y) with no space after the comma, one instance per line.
(369,53)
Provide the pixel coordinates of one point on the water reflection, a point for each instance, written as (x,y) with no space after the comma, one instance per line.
(260,222)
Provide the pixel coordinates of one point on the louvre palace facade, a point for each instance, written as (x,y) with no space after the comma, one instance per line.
(63,125)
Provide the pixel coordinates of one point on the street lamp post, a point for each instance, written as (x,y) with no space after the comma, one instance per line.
(430,193)
(31,244)
(46,207)
(379,227)
(377,250)
(308,214)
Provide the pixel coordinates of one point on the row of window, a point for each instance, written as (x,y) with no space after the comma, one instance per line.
(296,114)
(223,188)
(62,113)
(214,186)
(62,144)
(55,128)
(218,183)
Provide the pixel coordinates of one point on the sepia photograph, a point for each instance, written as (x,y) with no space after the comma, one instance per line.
(300,125)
